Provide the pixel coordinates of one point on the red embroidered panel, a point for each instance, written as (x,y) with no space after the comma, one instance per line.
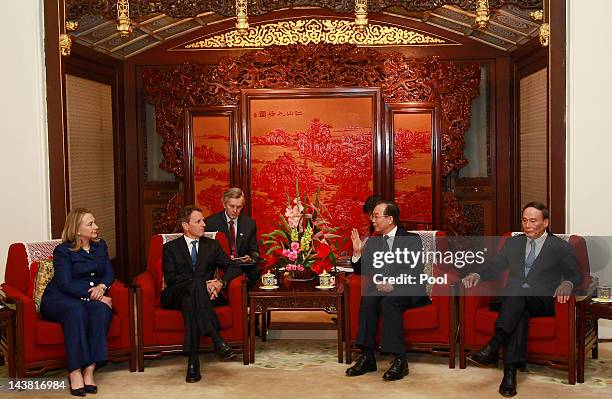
(321,142)
(211,160)
(412,138)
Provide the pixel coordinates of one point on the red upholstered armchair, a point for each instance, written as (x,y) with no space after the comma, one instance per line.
(40,343)
(431,328)
(550,340)
(161,331)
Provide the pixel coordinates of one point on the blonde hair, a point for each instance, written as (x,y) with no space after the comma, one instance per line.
(233,192)
(71,227)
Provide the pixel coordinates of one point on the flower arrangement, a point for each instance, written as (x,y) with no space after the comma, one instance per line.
(304,238)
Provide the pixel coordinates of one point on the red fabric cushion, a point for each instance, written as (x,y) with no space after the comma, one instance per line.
(425,317)
(50,333)
(539,327)
(172,320)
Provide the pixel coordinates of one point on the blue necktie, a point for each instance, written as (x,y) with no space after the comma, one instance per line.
(531,256)
(194,254)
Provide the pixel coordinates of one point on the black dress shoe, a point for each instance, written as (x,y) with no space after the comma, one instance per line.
(507,387)
(364,364)
(193,373)
(91,388)
(486,356)
(225,352)
(397,371)
(76,392)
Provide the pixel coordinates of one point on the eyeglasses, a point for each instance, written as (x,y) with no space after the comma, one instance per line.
(379,216)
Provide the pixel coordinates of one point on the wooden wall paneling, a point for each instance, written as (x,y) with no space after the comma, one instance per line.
(134,173)
(557,114)
(502,172)
(53,20)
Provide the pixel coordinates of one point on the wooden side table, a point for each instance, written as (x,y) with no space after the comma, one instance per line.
(7,343)
(588,312)
(297,296)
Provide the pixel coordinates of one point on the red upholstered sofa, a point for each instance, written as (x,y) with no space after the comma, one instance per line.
(40,343)
(550,340)
(431,328)
(161,331)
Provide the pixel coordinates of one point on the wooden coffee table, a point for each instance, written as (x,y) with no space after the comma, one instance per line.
(297,296)
(588,312)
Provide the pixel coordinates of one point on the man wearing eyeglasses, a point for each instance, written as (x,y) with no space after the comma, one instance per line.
(384,299)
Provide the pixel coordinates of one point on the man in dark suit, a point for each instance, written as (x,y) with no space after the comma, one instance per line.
(384,298)
(189,264)
(542,267)
(241,231)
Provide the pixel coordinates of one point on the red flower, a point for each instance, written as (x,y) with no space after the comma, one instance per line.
(322,249)
(322,264)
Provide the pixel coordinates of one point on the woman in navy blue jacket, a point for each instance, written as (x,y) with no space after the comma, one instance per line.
(76,298)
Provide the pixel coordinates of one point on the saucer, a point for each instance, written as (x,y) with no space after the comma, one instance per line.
(268,287)
(325,287)
(600,300)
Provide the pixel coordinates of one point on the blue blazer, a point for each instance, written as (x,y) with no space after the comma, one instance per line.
(78,271)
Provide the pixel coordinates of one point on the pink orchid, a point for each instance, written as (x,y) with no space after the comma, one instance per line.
(300,268)
(295,246)
(292,255)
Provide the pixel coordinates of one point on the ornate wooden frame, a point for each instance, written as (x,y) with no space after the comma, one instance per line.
(436,152)
(401,80)
(229,111)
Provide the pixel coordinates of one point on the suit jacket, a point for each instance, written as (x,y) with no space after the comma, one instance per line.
(403,240)
(246,233)
(78,271)
(554,264)
(178,269)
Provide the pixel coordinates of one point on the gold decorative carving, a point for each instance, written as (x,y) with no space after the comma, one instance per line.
(315,31)
(242,18)
(71,26)
(361,15)
(124,25)
(65,43)
(544,35)
(537,15)
(482,14)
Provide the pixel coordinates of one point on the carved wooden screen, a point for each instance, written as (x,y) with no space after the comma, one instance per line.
(318,66)
(323,138)
(210,144)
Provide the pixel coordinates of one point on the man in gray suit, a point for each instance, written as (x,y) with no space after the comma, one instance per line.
(542,267)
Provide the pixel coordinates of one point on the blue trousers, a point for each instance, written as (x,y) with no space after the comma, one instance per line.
(85,325)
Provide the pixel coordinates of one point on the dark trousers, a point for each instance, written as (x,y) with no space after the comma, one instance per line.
(391,309)
(252,273)
(85,325)
(199,317)
(513,320)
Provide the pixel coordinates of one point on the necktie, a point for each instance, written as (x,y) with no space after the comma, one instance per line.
(232,237)
(530,257)
(387,247)
(194,254)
